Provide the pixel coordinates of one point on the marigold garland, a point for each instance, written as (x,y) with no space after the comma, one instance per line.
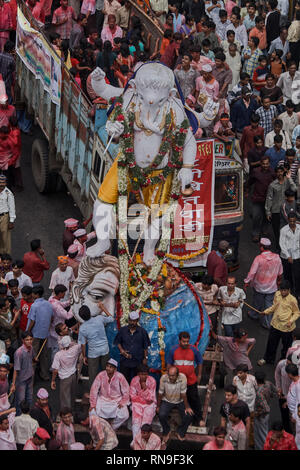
(187,257)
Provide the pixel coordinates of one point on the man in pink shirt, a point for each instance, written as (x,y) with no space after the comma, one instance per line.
(109,395)
(219,442)
(111,31)
(206,84)
(40,438)
(143,399)
(264,276)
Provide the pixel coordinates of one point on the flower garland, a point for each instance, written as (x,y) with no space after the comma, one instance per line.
(172,138)
(186,257)
(141,177)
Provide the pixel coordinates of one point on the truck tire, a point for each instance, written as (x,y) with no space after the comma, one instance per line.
(40,165)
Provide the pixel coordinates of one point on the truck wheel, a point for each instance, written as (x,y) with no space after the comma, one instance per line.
(40,165)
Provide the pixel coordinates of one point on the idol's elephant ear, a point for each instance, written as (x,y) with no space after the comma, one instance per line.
(75,294)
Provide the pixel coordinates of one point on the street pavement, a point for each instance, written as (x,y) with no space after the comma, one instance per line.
(42,216)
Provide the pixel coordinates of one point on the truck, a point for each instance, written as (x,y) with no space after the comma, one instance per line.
(71,147)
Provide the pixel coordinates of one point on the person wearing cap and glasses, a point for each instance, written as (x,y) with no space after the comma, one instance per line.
(81,237)
(133,342)
(7,215)
(64,364)
(109,395)
(264,276)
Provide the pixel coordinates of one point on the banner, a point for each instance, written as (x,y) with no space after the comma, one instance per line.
(194,219)
(38,57)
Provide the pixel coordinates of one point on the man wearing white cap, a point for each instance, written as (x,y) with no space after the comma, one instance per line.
(109,395)
(207,84)
(264,276)
(72,254)
(81,237)
(71,225)
(64,364)
(41,411)
(7,216)
(133,342)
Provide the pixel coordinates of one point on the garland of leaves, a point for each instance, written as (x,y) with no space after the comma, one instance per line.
(141,177)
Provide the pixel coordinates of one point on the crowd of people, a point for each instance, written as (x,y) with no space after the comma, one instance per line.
(245,56)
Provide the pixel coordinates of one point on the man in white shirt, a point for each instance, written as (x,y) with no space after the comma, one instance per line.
(246,385)
(269,138)
(289,242)
(17,273)
(63,275)
(289,82)
(64,365)
(7,216)
(231,299)
(281,43)
(293,396)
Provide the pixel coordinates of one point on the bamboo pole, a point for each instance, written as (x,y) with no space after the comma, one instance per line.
(42,347)
(104,309)
(252,308)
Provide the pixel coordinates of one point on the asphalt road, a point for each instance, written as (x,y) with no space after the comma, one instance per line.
(42,216)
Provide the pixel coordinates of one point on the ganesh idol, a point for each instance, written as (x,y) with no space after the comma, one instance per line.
(156,155)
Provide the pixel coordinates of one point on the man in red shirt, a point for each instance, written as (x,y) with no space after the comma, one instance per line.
(35,262)
(183,356)
(216,265)
(25,305)
(249,132)
(278,439)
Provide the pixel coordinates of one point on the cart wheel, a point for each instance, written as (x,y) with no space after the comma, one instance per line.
(40,165)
